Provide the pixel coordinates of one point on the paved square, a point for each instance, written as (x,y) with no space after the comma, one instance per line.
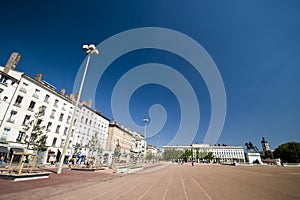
(169,182)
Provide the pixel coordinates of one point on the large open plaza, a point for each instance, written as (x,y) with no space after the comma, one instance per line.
(164,181)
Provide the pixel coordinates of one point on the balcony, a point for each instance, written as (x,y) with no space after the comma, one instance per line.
(17,104)
(11,121)
(22,89)
(35,96)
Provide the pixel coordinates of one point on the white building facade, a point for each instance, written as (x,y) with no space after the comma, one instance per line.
(91,127)
(220,153)
(21,99)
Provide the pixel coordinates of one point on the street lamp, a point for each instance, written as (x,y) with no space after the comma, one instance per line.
(89,49)
(145,135)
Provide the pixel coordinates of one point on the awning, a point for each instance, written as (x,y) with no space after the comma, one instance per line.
(3,149)
(16,150)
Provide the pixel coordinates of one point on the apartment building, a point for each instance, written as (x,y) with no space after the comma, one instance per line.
(120,136)
(21,97)
(138,146)
(91,132)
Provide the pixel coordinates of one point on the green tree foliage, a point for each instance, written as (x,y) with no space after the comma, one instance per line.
(149,156)
(77,149)
(171,154)
(268,154)
(35,133)
(117,151)
(187,154)
(209,156)
(288,152)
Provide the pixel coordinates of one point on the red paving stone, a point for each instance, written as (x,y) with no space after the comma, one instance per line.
(170,182)
(66,177)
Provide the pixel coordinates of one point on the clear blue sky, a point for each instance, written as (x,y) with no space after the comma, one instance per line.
(255,45)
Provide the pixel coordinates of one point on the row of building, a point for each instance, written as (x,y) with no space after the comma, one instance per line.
(229,154)
(22,96)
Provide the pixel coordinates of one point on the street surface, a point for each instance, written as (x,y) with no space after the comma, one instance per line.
(173,181)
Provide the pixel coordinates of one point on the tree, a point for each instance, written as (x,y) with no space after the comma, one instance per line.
(149,156)
(268,154)
(171,154)
(288,152)
(209,156)
(117,151)
(35,133)
(77,149)
(94,145)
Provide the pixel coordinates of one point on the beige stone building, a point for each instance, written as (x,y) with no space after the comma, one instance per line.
(119,135)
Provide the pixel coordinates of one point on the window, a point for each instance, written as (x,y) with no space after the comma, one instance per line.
(68,119)
(61,117)
(75,122)
(82,118)
(65,131)
(31,106)
(18,100)
(42,110)
(86,120)
(36,93)
(47,98)
(49,126)
(20,136)
(3,79)
(5,98)
(57,129)
(56,102)
(64,107)
(12,116)
(5,133)
(52,113)
(1,90)
(39,122)
(62,142)
(54,142)
(24,88)
(26,119)
(72,133)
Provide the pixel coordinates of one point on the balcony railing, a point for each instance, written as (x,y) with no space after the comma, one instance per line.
(22,89)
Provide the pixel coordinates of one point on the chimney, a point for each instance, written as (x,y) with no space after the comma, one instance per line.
(38,77)
(89,103)
(12,62)
(63,91)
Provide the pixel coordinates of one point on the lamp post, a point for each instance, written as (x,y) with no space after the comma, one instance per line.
(89,49)
(145,135)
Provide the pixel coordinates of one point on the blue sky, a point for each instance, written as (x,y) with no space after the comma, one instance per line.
(255,45)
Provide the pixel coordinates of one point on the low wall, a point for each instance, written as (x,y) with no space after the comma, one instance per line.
(128,170)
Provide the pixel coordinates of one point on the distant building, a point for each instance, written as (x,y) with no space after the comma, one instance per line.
(138,146)
(120,136)
(220,153)
(152,150)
